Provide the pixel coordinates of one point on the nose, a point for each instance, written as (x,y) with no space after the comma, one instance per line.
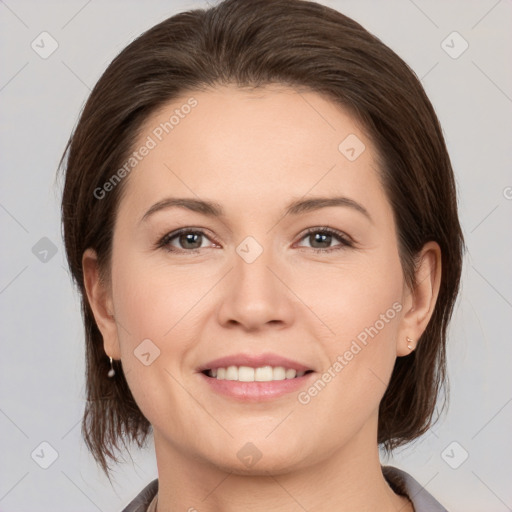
(255,294)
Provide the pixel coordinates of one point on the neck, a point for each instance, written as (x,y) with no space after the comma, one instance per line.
(350,479)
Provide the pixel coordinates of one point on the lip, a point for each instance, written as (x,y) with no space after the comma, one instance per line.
(257,391)
(255,361)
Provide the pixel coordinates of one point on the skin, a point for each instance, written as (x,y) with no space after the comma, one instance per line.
(254,151)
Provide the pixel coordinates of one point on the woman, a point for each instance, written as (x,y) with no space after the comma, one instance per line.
(305,324)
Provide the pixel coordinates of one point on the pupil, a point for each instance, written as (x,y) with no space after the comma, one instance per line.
(190,238)
(322,238)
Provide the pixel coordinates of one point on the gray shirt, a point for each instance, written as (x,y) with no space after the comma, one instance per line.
(400,481)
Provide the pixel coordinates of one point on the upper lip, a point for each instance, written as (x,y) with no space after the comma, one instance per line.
(254,361)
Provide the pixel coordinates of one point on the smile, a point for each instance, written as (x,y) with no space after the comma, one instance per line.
(249,374)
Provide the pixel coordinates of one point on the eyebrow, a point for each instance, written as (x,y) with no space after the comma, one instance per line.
(213,209)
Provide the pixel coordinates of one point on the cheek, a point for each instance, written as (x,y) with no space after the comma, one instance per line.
(363,309)
(156,300)
(354,297)
(156,306)
(360,303)
(157,309)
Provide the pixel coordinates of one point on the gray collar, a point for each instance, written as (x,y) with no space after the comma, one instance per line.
(404,484)
(400,481)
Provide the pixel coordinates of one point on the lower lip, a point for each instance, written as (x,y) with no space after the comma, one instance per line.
(256,391)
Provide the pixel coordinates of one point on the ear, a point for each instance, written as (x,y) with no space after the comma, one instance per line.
(419,303)
(100,299)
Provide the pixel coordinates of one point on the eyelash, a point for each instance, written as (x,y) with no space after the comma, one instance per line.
(345,242)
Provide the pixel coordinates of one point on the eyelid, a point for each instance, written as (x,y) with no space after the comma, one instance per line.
(164,241)
(345,240)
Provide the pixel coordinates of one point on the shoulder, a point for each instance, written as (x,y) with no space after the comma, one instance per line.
(404,484)
(142,501)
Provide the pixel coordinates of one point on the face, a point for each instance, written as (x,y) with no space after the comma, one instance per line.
(294,266)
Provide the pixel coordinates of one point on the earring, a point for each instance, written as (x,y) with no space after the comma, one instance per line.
(111,372)
(409,341)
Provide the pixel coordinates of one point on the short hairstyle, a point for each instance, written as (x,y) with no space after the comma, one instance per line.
(253,43)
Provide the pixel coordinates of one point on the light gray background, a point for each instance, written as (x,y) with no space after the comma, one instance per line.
(42,368)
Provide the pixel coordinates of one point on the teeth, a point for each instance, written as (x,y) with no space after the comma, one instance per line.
(231,373)
(263,374)
(290,374)
(249,374)
(245,374)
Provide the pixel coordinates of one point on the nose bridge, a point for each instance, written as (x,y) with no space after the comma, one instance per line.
(252,276)
(253,295)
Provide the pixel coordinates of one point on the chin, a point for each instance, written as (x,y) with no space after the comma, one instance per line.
(250,455)
(268,464)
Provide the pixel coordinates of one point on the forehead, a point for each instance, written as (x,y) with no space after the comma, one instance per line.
(251,148)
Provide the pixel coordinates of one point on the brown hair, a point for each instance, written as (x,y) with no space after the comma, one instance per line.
(253,43)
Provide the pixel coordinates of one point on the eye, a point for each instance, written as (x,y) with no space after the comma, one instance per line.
(189,240)
(184,240)
(321,239)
